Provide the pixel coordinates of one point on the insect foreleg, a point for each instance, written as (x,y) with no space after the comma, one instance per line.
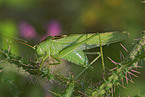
(55,58)
(41,63)
(42,60)
(52,56)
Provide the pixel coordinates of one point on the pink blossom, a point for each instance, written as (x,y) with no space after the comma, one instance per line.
(27,31)
(53,28)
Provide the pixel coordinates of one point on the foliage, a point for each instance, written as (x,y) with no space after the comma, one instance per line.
(34,20)
(122,71)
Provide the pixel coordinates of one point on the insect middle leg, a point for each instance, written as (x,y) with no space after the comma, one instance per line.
(53,57)
(56,59)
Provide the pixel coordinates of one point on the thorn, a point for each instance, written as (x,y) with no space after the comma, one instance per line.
(132,74)
(118,86)
(137,39)
(119,94)
(138,66)
(113,69)
(130,78)
(133,43)
(122,82)
(1,61)
(122,86)
(114,87)
(31,59)
(126,78)
(135,64)
(98,84)
(131,81)
(53,93)
(112,61)
(142,2)
(9,48)
(107,68)
(82,93)
(106,71)
(1,70)
(51,81)
(128,96)
(124,47)
(135,71)
(112,90)
(109,73)
(122,56)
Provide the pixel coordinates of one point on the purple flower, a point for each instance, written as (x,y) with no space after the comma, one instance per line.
(27,31)
(53,28)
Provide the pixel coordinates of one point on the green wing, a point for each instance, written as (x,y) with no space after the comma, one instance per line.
(106,38)
(77,57)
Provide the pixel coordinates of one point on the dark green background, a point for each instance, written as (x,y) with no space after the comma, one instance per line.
(76,16)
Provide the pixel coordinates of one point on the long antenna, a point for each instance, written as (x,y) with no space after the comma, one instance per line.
(19,41)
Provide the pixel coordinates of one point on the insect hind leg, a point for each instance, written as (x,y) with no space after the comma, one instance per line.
(99,55)
(93,53)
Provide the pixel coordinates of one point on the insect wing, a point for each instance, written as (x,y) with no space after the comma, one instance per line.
(77,57)
(106,38)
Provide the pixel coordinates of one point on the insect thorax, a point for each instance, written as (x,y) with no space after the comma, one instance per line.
(48,47)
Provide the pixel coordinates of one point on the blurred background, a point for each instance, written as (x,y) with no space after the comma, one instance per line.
(34,20)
